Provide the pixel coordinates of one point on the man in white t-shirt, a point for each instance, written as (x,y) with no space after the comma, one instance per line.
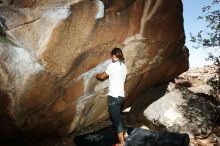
(116,71)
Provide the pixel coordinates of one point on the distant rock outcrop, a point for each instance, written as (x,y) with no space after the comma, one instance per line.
(197,78)
(49,51)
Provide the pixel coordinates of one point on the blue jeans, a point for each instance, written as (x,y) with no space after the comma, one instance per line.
(114,108)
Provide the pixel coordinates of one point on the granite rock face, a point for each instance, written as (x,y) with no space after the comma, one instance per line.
(49,51)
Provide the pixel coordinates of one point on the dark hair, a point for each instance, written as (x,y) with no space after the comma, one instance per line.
(118,53)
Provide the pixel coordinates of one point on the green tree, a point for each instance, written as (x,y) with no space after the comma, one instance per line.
(210,37)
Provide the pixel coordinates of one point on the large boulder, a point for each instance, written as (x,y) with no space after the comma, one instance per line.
(49,51)
(186,104)
(179,110)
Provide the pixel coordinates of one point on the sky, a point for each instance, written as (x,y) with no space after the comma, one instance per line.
(191,10)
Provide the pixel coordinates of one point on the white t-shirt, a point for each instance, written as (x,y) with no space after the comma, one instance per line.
(117,74)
